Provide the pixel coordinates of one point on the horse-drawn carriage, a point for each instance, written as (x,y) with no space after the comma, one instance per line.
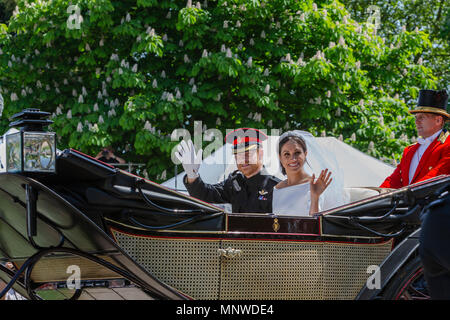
(87,230)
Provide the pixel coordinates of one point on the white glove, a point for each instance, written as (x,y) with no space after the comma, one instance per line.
(190,161)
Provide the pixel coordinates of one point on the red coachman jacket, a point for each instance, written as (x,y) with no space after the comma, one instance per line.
(434,162)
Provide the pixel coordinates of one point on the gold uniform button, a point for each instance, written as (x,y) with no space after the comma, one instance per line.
(430,168)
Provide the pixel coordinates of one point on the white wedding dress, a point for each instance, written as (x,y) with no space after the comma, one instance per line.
(293,200)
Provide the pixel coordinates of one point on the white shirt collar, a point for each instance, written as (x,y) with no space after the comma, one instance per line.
(430,139)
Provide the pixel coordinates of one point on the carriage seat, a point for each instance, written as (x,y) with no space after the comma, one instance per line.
(360,193)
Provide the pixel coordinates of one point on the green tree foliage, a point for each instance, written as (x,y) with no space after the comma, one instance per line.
(136,70)
(6,9)
(430,16)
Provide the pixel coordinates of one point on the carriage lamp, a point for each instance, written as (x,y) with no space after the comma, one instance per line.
(29,149)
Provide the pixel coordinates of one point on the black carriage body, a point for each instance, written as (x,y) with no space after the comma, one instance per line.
(180,247)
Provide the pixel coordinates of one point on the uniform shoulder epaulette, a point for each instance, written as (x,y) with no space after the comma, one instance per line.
(443,136)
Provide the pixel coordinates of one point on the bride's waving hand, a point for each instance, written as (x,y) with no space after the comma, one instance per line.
(317,187)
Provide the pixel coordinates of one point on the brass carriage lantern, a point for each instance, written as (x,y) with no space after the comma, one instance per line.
(29,149)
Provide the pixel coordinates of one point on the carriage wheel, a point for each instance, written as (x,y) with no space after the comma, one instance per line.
(409,283)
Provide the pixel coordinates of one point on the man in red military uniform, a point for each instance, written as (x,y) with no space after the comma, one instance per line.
(430,156)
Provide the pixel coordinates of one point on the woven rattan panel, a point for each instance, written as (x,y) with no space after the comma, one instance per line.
(272,270)
(297,270)
(191,266)
(345,272)
(263,270)
(53,269)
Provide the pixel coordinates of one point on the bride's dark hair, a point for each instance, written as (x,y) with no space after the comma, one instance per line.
(296,138)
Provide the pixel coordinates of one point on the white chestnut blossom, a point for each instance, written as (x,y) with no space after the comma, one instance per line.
(249,62)
(94,128)
(338,112)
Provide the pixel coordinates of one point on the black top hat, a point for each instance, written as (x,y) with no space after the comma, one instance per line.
(244,139)
(432,101)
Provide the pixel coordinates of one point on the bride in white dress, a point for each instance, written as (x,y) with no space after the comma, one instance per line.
(300,193)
